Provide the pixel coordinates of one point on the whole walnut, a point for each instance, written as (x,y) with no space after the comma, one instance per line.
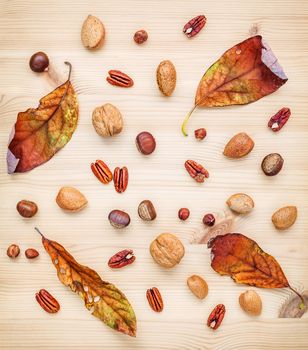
(107,120)
(167,250)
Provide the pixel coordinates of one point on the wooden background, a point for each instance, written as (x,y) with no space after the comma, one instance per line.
(54,27)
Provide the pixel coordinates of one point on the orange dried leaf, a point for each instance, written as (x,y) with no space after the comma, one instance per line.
(241,258)
(104,299)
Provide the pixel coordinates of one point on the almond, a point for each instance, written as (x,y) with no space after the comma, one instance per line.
(239,146)
(92,33)
(251,302)
(284,217)
(241,203)
(166,77)
(198,286)
(70,199)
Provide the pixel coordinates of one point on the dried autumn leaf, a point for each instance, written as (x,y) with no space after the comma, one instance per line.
(107,302)
(243,74)
(241,258)
(41,132)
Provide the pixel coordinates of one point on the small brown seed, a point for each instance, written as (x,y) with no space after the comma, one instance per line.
(183,214)
(239,146)
(13,251)
(272,164)
(71,199)
(198,286)
(140,36)
(240,203)
(209,220)
(146,210)
(146,143)
(27,209)
(39,62)
(118,219)
(200,134)
(31,253)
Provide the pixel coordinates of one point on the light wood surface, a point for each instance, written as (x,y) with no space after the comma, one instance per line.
(54,27)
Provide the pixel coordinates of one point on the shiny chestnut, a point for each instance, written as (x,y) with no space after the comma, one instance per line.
(39,62)
(118,218)
(145,142)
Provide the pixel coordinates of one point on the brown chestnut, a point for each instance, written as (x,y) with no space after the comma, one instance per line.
(27,209)
(118,218)
(145,142)
(39,62)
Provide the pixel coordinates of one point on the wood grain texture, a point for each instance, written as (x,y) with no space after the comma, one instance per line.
(54,27)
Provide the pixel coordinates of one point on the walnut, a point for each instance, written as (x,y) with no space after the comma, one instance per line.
(107,120)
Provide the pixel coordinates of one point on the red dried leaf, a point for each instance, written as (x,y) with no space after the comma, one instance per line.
(243,74)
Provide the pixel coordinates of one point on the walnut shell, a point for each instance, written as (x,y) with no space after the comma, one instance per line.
(239,146)
(92,33)
(166,77)
(71,199)
(107,120)
(167,250)
(251,302)
(241,203)
(284,217)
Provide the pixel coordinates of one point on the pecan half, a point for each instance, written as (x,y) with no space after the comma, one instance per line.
(194,26)
(119,78)
(101,171)
(155,299)
(121,259)
(278,120)
(216,316)
(120,179)
(196,170)
(47,301)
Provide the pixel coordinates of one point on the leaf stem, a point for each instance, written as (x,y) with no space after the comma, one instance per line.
(302,304)
(70,69)
(186,121)
(36,229)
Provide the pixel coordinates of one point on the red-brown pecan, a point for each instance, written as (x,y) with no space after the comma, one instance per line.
(194,26)
(155,299)
(101,171)
(47,301)
(196,170)
(278,120)
(216,316)
(119,78)
(120,179)
(122,258)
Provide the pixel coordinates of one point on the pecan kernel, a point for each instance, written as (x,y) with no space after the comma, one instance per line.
(216,316)
(47,301)
(121,259)
(278,120)
(155,299)
(194,26)
(120,179)
(119,78)
(196,170)
(101,171)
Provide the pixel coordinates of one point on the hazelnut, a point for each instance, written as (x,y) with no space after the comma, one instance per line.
(31,253)
(26,208)
(198,286)
(13,251)
(140,36)
(107,120)
(200,134)
(167,250)
(183,214)
(251,302)
(209,220)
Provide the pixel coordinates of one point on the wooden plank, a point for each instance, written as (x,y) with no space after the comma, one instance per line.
(28,26)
